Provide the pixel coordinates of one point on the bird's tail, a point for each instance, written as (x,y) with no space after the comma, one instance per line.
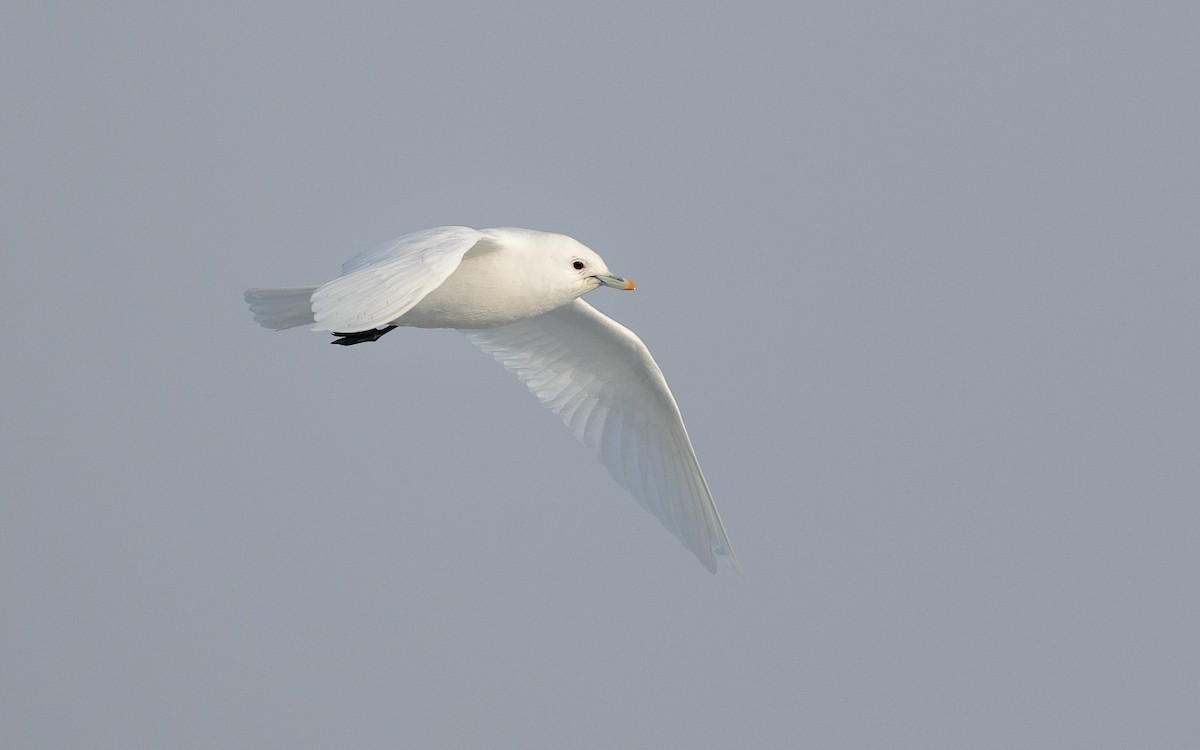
(282,308)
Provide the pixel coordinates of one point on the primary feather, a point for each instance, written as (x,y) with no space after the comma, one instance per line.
(600,379)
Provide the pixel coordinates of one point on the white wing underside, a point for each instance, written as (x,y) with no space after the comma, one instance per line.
(601,380)
(379,285)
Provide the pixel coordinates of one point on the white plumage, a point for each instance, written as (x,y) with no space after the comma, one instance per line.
(515,294)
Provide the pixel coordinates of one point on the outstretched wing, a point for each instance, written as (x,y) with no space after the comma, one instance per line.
(379,285)
(600,378)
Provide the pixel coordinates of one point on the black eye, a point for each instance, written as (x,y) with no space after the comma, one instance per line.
(577,265)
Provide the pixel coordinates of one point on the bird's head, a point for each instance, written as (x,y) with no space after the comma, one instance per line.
(578,266)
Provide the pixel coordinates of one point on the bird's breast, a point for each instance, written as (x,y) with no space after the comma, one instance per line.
(482,293)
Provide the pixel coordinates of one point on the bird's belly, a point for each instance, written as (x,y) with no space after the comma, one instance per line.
(456,304)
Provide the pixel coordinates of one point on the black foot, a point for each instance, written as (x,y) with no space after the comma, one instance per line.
(361,337)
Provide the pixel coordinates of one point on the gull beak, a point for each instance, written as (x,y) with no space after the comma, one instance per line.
(615,283)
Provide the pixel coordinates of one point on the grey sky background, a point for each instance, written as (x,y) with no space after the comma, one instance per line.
(924,278)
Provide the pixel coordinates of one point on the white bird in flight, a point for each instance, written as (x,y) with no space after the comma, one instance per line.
(515,293)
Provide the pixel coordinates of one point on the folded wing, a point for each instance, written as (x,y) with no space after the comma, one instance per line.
(381,284)
(601,380)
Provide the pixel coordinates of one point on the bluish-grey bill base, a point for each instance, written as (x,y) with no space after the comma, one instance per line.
(516,294)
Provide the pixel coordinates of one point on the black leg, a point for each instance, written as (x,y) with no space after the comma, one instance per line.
(361,337)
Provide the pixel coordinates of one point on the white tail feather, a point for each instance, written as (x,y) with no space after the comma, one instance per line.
(282,308)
